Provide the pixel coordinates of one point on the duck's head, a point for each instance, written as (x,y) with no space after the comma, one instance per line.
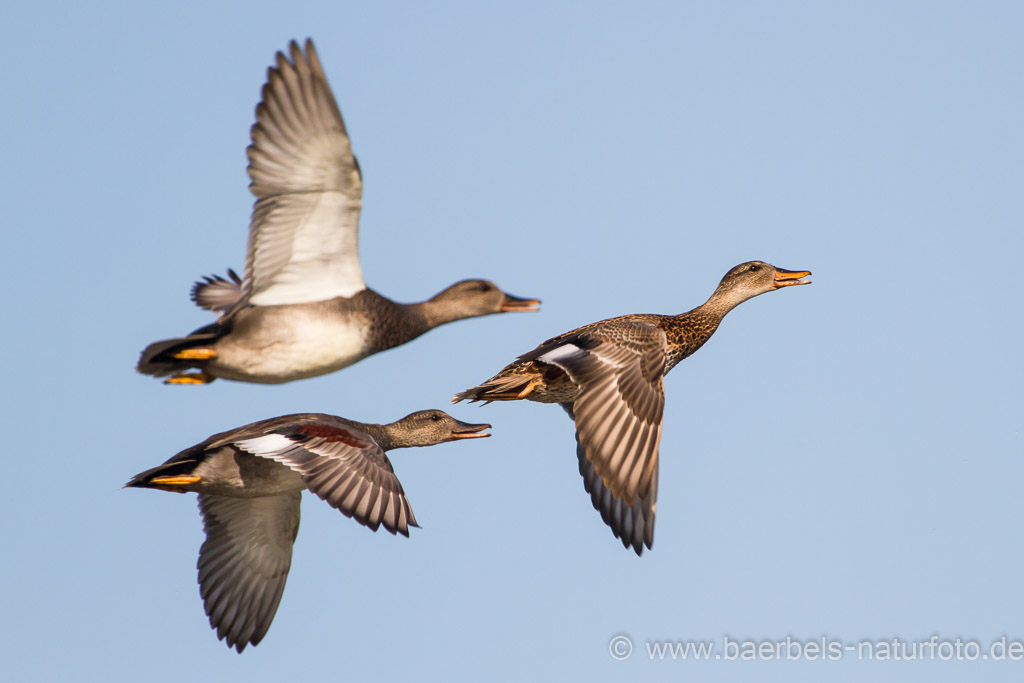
(471,298)
(752,278)
(429,427)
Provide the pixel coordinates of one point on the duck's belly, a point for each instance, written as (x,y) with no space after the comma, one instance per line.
(556,389)
(277,351)
(228,472)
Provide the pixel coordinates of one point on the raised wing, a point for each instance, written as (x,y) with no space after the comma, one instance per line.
(304,232)
(619,370)
(343,466)
(244,562)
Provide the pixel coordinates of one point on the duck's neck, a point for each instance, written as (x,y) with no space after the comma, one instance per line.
(725,299)
(398,323)
(434,313)
(390,323)
(689,331)
(385,437)
(393,435)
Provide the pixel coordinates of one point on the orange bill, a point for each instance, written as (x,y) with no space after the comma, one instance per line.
(514,303)
(788,278)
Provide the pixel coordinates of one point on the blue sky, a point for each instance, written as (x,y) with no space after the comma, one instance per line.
(840,460)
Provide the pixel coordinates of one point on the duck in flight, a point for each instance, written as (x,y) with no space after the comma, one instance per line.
(301,308)
(608,376)
(250,481)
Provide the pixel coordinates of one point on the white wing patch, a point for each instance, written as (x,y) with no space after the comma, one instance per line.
(562,353)
(268,445)
(306,249)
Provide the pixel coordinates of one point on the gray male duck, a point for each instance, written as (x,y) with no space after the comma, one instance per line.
(608,376)
(250,480)
(301,308)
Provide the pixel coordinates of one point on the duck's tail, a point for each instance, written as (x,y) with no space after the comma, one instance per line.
(218,294)
(172,357)
(174,475)
(501,387)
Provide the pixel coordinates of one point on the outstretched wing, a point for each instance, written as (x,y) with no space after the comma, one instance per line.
(343,466)
(244,562)
(619,370)
(304,232)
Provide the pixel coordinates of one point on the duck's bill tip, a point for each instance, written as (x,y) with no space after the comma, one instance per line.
(789,278)
(466,430)
(514,303)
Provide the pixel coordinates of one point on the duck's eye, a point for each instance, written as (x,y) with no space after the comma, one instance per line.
(754,268)
(484,287)
(435,418)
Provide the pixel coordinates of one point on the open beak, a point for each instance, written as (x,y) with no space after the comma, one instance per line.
(788,278)
(514,303)
(466,430)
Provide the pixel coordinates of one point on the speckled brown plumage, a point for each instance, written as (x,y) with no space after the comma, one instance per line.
(608,376)
(685,333)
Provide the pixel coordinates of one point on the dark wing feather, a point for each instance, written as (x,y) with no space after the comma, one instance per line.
(633,525)
(244,562)
(343,466)
(619,368)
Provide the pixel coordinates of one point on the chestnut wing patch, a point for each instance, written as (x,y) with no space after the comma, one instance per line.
(344,467)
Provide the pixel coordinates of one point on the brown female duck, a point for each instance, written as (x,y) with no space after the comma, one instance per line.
(608,378)
(250,480)
(302,309)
